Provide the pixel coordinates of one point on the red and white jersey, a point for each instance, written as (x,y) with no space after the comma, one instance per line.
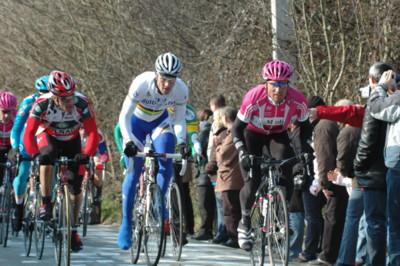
(57,123)
(262,115)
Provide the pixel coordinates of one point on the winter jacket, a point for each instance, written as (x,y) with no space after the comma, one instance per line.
(388,109)
(325,135)
(229,175)
(369,167)
(348,114)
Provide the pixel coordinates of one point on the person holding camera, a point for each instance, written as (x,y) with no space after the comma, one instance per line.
(387,109)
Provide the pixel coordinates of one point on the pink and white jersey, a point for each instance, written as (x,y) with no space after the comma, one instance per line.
(262,115)
(5,132)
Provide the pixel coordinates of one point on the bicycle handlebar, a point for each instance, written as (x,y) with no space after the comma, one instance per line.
(175,156)
(266,162)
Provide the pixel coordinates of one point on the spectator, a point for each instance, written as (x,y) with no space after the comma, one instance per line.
(347,142)
(387,109)
(325,135)
(205,191)
(229,180)
(370,170)
(219,134)
(313,201)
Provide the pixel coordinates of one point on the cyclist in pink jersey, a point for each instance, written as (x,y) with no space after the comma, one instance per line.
(263,119)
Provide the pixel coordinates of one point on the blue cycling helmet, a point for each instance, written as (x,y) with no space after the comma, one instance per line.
(41,84)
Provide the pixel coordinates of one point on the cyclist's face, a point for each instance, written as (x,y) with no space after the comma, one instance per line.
(65,103)
(5,115)
(277,90)
(165,84)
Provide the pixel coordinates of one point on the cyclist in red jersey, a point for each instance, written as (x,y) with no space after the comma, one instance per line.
(263,119)
(55,120)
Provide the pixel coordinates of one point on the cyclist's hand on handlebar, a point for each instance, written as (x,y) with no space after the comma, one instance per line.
(12,154)
(81,158)
(244,160)
(183,149)
(130,149)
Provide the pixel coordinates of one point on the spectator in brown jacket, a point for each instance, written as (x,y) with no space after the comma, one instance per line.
(229,180)
(218,135)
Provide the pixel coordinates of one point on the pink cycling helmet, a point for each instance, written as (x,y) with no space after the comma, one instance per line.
(277,70)
(61,84)
(8,101)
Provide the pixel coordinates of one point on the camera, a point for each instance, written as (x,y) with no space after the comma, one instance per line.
(365,92)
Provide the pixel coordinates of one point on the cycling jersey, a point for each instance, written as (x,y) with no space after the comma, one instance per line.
(146,103)
(5,132)
(262,115)
(47,117)
(20,120)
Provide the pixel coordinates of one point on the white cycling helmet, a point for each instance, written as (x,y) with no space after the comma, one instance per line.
(168,64)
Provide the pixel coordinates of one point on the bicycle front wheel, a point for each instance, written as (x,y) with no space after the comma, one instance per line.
(278,224)
(87,204)
(63,232)
(176,220)
(28,224)
(257,254)
(5,210)
(154,234)
(39,227)
(137,227)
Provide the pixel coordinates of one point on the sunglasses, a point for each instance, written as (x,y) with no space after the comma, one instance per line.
(66,99)
(279,84)
(6,111)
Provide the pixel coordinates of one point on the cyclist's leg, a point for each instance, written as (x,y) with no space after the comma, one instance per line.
(164,143)
(280,149)
(48,147)
(254,144)
(139,130)
(19,184)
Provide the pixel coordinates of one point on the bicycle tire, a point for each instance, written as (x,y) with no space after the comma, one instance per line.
(137,228)
(154,234)
(86,206)
(278,223)
(27,225)
(176,220)
(62,236)
(67,230)
(39,227)
(257,254)
(6,212)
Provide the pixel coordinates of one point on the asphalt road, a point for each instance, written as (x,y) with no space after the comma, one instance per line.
(100,248)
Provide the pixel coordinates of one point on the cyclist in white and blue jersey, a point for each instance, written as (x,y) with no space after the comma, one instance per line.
(144,112)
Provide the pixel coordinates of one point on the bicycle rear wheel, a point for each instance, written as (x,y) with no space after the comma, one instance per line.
(176,220)
(278,224)
(154,234)
(257,254)
(137,228)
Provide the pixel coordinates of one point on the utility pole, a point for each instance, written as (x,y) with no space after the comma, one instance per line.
(283,31)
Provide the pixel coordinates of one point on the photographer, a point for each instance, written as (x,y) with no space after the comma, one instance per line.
(388,109)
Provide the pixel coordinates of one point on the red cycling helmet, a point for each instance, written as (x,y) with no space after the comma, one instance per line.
(277,70)
(61,84)
(8,101)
